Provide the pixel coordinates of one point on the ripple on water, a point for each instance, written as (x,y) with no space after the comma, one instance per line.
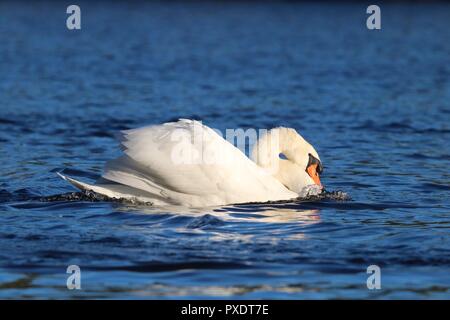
(380,128)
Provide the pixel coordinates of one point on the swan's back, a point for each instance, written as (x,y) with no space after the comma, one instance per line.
(187,163)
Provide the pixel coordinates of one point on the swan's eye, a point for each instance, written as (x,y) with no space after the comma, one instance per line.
(282,156)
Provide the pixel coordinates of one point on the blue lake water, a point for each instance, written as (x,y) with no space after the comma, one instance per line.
(375,104)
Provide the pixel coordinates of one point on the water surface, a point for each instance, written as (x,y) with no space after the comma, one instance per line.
(375,104)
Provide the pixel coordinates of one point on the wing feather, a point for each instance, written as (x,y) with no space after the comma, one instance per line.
(187,162)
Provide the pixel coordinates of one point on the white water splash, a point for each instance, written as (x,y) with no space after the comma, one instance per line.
(311,190)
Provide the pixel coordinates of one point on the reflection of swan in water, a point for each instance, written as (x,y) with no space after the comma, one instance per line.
(255,213)
(151,170)
(243,222)
(286,215)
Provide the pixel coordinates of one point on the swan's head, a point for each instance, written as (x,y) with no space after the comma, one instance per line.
(302,161)
(297,163)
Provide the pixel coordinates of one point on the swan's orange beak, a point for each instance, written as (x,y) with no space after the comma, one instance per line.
(312,171)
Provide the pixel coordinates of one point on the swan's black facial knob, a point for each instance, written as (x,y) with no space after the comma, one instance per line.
(314,169)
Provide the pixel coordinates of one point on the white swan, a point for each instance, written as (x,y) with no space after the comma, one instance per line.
(187,163)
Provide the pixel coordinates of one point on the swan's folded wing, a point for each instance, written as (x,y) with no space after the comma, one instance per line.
(184,161)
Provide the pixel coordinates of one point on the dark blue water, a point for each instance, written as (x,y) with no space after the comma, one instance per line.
(375,104)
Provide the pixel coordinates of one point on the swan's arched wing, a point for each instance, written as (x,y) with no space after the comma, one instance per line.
(187,162)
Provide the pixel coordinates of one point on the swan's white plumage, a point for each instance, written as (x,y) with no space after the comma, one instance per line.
(150,169)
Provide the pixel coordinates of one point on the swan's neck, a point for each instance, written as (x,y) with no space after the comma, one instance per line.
(267,150)
(286,141)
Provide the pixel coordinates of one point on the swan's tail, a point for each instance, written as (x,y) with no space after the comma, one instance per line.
(88,187)
(111,190)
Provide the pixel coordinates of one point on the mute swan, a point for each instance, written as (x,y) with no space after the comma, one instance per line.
(187,163)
